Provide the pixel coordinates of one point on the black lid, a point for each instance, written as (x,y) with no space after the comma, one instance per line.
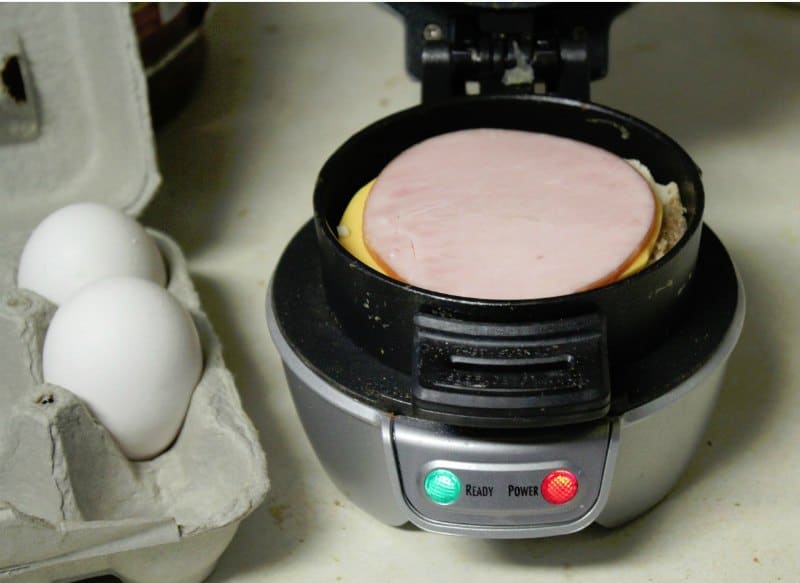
(507,48)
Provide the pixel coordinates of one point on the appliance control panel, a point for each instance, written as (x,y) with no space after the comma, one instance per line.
(494,478)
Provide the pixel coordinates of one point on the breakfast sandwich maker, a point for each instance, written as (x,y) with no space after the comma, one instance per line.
(492,418)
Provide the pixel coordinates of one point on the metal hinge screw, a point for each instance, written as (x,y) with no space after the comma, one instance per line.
(432,32)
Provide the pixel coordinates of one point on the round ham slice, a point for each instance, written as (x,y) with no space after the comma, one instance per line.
(503,214)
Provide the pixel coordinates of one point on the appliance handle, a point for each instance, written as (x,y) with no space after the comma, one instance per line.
(551,372)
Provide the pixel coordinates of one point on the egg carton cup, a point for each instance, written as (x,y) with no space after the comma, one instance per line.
(72,505)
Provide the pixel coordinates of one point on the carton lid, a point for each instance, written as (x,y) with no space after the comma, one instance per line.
(85,90)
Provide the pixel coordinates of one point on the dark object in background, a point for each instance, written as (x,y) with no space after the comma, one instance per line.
(173,51)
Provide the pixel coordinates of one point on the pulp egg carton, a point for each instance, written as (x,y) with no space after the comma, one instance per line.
(74,126)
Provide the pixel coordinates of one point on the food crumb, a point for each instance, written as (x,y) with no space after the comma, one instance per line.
(337,503)
(708,443)
(278,512)
(755,560)
(393,81)
(343,231)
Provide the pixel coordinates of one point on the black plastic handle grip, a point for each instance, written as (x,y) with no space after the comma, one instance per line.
(549,372)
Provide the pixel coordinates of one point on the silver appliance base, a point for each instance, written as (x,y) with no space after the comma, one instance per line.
(648,450)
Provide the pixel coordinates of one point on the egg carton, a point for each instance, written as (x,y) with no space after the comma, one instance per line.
(72,505)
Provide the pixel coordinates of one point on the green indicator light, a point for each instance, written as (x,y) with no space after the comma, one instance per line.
(442,486)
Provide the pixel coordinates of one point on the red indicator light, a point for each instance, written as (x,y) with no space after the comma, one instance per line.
(559,487)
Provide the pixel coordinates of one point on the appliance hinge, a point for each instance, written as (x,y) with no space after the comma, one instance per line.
(465,49)
(509,64)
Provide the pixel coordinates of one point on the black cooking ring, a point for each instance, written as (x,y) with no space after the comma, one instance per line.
(379,312)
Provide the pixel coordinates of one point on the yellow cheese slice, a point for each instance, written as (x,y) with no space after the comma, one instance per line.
(643,258)
(351,229)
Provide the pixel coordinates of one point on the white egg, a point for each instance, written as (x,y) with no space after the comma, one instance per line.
(130,351)
(82,243)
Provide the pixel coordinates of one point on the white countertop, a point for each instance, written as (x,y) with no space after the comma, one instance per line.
(286,85)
